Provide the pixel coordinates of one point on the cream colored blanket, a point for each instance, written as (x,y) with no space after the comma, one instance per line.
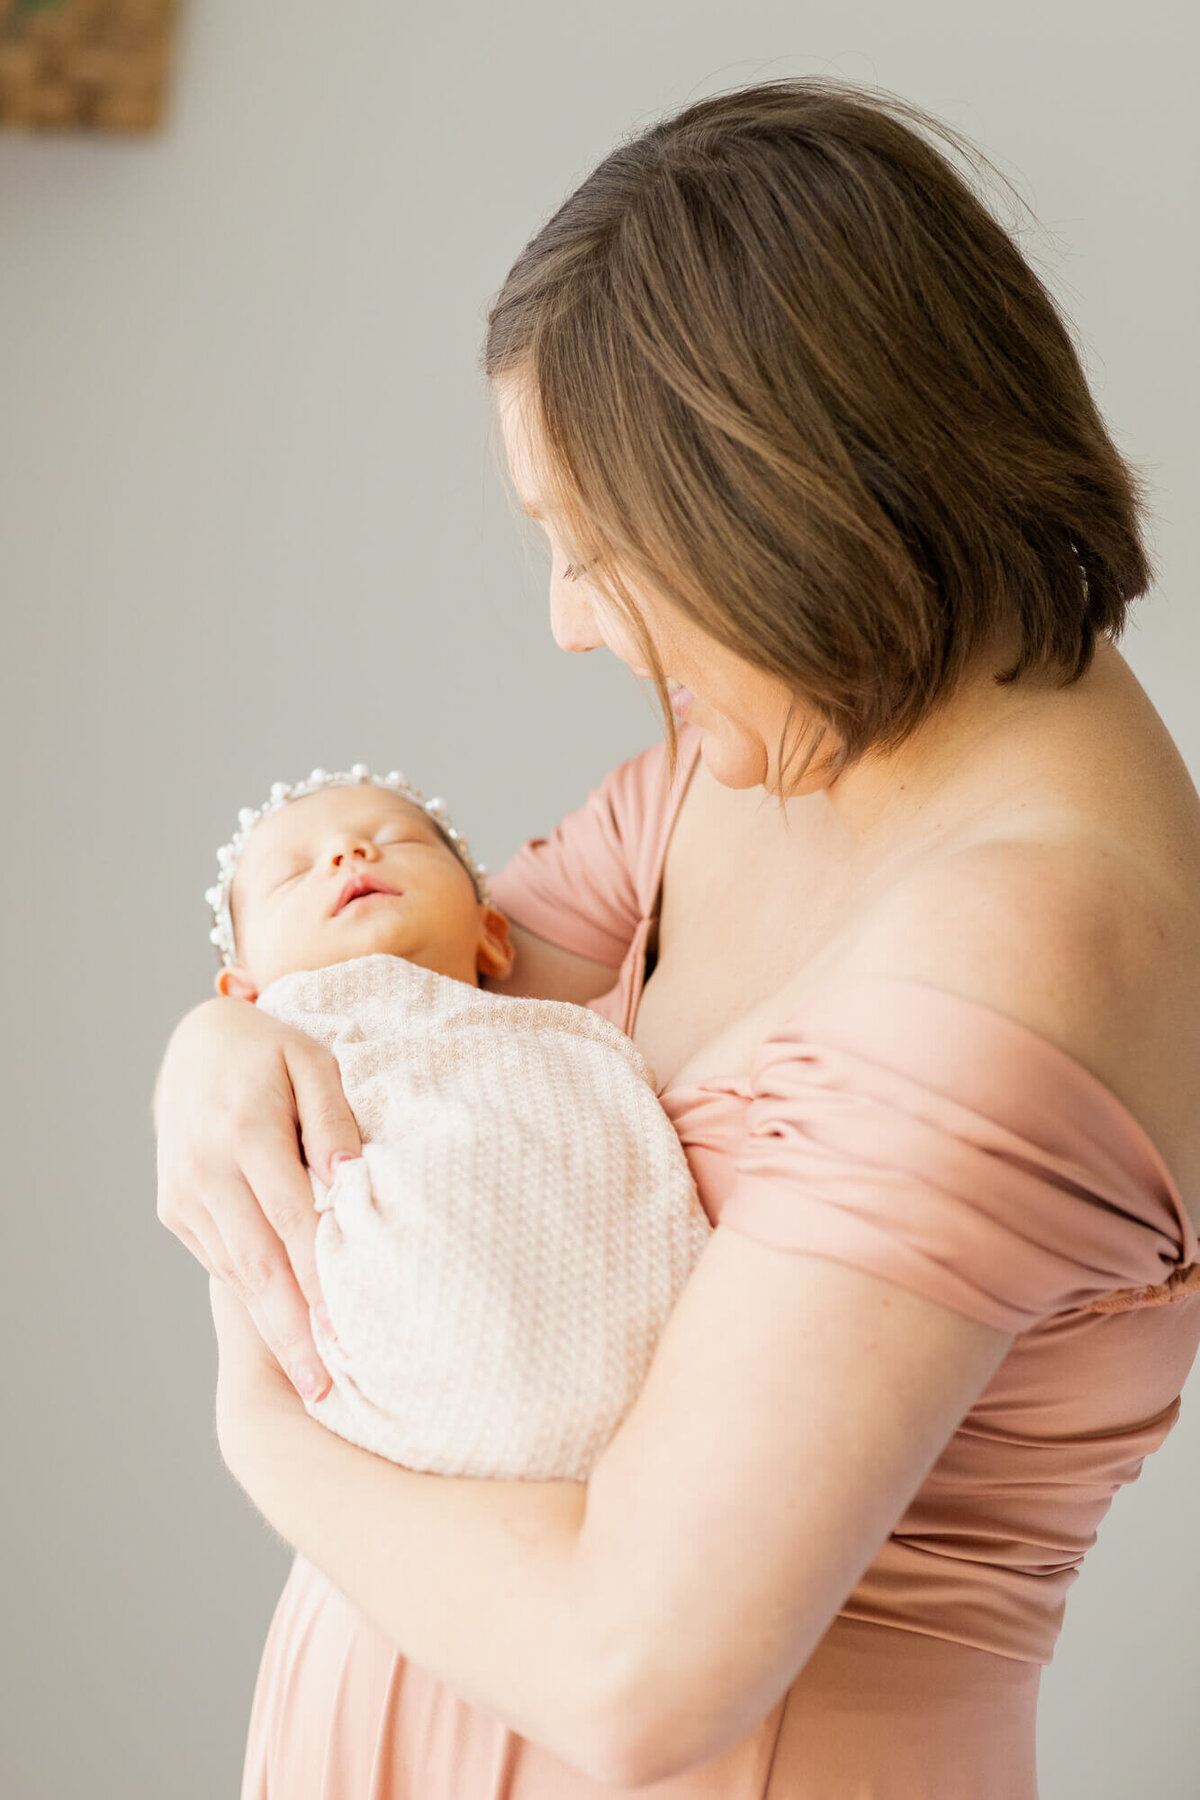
(499,1264)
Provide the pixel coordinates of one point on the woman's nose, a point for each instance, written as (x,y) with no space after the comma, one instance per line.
(572,620)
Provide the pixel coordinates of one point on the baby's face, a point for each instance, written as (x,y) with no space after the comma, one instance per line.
(352,871)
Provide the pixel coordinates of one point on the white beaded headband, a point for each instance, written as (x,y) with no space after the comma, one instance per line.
(281,795)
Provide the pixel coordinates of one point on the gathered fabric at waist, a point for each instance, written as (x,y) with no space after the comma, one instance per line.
(877,1714)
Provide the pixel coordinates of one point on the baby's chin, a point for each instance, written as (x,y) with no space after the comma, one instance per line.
(377,931)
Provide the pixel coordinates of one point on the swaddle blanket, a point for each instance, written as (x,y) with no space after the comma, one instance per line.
(499,1264)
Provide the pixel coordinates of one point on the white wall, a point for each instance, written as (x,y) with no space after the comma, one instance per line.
(249,522)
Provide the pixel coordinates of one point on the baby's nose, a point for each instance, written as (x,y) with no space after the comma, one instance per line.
(361,849)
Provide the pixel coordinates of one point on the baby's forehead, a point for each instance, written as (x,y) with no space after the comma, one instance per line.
(362,807)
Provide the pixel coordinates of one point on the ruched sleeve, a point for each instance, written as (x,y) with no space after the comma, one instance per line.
(589,884)
(910,1132)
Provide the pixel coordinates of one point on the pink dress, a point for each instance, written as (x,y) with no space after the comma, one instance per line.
(897,1128)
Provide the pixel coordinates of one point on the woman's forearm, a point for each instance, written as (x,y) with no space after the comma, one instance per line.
(478,1582)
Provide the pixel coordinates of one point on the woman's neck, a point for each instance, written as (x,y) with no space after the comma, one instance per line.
(937,770)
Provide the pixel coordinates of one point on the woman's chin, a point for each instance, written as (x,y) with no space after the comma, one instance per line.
(733,760)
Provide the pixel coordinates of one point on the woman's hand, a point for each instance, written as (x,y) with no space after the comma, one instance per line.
(239,1094)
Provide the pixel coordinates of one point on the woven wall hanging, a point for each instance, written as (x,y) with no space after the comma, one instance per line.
(90,65)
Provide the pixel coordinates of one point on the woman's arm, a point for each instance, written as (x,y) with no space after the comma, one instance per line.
(646,1622)
(465,1575)
(551,973)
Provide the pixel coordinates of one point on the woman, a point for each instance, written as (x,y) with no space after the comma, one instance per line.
(907,931)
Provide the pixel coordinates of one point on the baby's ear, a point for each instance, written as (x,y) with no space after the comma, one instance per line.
(235,984)
(496,953)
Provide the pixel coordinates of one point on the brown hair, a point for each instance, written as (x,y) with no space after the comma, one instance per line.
(788,370)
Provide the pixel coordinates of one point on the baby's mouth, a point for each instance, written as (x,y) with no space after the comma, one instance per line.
(358,889)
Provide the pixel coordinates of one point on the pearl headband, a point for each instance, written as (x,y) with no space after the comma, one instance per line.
(281,795)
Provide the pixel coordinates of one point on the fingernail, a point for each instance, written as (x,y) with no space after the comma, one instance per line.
(341,1156)
(305,1380)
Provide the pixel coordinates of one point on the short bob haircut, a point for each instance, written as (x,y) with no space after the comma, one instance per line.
(789,373)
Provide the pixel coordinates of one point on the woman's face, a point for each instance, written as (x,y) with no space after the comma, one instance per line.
(741,710)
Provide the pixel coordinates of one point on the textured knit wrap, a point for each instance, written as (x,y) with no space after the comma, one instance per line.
(499,1264)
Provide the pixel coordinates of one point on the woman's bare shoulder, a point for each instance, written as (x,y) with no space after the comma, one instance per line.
(1073,934)
(1064,889)
(1051,925)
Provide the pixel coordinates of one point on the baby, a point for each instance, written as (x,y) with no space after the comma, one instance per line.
(500,1262)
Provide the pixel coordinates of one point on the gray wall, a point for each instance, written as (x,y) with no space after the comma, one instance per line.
(251,522)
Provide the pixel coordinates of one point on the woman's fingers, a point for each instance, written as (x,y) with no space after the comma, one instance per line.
(327,1126)
(238,1095)
(282,1187)
(251,1257)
